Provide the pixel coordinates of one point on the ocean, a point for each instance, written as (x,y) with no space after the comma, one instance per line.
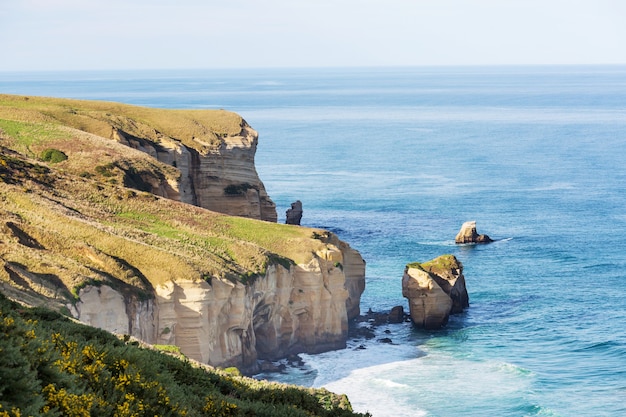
(394,160)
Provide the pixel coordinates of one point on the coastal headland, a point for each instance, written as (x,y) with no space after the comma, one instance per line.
(154,223)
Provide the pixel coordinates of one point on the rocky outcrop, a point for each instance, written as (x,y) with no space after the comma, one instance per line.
(468,234)
(305,308)
(220,178)
(294,214)
(435,289)
(396,315)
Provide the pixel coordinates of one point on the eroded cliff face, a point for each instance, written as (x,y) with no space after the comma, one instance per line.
(305,308)
(220,178)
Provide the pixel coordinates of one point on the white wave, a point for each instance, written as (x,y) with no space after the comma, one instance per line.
(390,384)
(438,243)
(557,186)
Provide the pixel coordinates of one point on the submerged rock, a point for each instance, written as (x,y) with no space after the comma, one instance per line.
(468,234)
(435,289)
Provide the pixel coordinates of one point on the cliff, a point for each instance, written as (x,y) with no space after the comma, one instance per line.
(299,308)
(84,234)
(200,157)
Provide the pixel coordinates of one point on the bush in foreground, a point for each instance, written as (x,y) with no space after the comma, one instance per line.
(50,365)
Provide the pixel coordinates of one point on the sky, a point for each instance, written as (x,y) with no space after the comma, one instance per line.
(175,34)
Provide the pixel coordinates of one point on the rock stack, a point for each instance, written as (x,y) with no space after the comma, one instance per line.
(294,214)
(435,289)
(468,234)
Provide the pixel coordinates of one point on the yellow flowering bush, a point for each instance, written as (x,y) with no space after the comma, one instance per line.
(50,365)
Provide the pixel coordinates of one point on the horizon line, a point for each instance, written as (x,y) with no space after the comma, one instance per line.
(304,68)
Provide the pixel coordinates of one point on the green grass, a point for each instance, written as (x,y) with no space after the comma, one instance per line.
(441,263)
(27,134)
(199,129)
(168,349)
(87,228)
(153,224)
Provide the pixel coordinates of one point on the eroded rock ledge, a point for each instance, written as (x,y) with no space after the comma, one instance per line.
(220,178)
(305,308)
(435,289)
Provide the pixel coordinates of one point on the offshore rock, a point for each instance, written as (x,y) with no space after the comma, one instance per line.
(468,234)
(396,315)
(294,214)
(435,289)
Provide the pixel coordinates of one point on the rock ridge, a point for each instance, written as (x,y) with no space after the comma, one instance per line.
(303,308)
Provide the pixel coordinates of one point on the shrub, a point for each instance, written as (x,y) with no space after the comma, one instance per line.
(238,189)
(53,156)
(105,170)
(52,366)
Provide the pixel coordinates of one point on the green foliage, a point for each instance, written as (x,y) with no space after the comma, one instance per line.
(107,170)
(15,170)
(51,365)
(53,156)
(237,189)
(441,263)
(27,134)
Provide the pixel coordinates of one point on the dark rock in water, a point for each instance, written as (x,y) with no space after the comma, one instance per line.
(435,290)
(360,347)
(387,331)
(396,315)
(295,360)
(268,366)
(385,340)
(294,214)
(468,234)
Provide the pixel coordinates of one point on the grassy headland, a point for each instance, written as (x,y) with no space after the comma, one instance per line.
(69,217)
(71,221)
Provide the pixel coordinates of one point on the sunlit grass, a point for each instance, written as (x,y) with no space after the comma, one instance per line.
(199,129)
(27,134)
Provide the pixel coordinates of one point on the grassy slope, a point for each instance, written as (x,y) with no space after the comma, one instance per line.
(53,366)
(199,129)
(60,229)
(84,228)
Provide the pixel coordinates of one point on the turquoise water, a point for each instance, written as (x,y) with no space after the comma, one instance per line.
(394,161)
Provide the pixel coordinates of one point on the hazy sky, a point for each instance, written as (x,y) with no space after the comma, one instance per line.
(138,34)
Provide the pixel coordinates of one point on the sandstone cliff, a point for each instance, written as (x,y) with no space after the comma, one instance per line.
(91,236)
(303,308)
(221,178)
(435,289)
(200,157)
